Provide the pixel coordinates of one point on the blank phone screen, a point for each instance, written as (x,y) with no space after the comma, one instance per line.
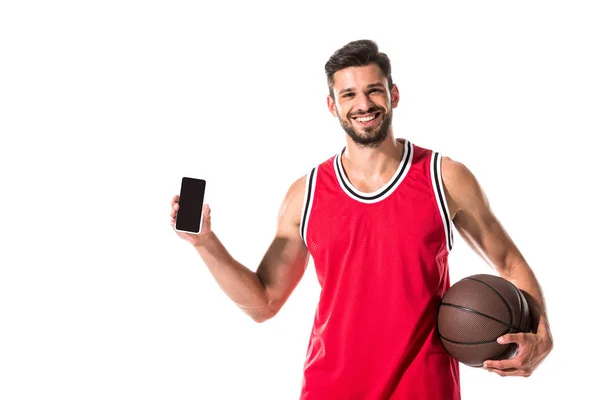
(191,200)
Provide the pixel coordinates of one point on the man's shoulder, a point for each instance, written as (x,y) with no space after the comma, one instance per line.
(453,170)
(298,188)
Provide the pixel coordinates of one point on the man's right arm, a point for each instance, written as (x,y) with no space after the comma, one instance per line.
(261,294)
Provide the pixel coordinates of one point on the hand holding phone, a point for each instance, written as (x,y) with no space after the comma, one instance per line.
(188,216)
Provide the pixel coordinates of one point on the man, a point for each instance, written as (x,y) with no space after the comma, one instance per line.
(377,219)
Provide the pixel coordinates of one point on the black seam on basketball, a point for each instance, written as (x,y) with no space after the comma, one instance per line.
(527,316)
(498,293)
(468,343)
(520,305)
(510,327)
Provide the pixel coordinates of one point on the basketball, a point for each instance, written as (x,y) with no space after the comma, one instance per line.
(475,311)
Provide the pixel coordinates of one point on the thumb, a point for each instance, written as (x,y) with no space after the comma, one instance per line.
(510,338)
(205,218)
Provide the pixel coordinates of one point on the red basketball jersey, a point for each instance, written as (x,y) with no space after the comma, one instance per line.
(381,259)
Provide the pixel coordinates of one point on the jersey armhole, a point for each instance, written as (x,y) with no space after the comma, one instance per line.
(440,197)
(309,194)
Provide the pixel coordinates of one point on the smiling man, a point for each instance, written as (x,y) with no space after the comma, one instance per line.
(377,218)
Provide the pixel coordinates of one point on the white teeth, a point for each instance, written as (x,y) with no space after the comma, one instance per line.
(365,119)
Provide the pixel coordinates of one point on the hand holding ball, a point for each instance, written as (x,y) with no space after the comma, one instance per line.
(475,311)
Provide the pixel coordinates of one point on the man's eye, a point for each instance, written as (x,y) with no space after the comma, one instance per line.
(374,90)
(348,95)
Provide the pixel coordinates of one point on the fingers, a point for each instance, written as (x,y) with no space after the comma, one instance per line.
(205,211)
(515,366)
(206,219)
(515,361)
(511,338)
(508,368)
(501,364)
(174,206)
(510,372)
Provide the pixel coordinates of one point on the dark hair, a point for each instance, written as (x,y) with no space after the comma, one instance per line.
(356,54)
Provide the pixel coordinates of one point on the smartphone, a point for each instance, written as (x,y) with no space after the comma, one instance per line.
(191,202)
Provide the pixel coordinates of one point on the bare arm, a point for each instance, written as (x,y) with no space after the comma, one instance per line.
(477,224)
(259,294)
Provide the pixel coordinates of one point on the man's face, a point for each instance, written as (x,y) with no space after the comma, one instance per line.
(363,103)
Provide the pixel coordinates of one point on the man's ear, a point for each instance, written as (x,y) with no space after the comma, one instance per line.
(332,107)
(395,96)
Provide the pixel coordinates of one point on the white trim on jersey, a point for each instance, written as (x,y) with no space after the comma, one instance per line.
(440,197)
(309,194)
(384,191)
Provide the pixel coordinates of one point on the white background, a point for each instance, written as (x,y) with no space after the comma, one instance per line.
(104,106)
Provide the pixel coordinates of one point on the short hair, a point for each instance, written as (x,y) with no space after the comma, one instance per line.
(357,54)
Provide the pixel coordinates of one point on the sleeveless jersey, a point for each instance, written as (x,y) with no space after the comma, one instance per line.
(381,260)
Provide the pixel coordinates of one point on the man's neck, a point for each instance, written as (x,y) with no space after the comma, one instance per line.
(366,163)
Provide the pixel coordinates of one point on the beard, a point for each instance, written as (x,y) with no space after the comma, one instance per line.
(373,136)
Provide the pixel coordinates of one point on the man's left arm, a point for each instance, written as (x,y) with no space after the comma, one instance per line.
(479,227)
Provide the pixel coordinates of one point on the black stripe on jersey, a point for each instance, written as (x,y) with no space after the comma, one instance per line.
(308,201)
(437,163)
(342,173)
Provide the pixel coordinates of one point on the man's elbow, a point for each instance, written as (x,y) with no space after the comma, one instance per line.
(260,319)
(265,314)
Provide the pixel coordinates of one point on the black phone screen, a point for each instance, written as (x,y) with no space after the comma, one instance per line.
(191,201)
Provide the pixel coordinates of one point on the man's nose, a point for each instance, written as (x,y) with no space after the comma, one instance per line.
(363,102)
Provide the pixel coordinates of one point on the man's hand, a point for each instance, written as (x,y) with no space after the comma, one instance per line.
(194,239)
(533,349)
